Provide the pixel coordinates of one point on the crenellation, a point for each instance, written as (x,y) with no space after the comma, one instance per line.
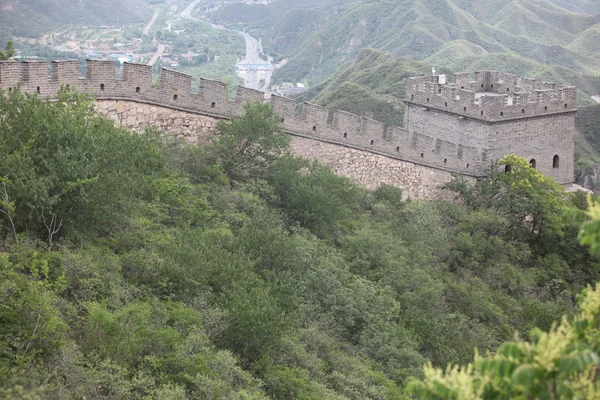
(493,115)
(315,118)
(457,126)
(10,73)
(65,72)
(175,82)
(213,97)
(372,132)
(284,106)
(245,95)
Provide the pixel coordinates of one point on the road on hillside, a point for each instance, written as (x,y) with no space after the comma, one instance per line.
(147,28)
(156,55)
(187,12)
(253,51)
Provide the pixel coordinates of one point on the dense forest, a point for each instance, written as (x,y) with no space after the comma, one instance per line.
(136,267)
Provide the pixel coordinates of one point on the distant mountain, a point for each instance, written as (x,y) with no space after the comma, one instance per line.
(30,18)
(372,86)
(530,37)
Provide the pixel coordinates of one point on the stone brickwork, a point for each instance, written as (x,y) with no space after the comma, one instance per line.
(480,118)
(138,116)
(449,127)
(372,170)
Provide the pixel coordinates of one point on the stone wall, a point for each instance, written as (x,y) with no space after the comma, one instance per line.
(372,170)
(449,127)
(139,116)
(368,169)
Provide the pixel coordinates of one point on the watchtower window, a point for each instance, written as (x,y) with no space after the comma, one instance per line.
(482,113)
(428,99)
(137,89)
(345,135)
(412,96)
(175,97)
(445,161)
(422,155)
(465,109)
(213,104)
(462,87)
(372,142)
(397,149)
(467,165)
(440,90)
(38,90)
(508,89)
(314,128)
(102,86)
(565,105)
(482,85)
(545,108)
(446,104)
(492,85)
(522,111)
(532,163)
(556,162)
(507,168)
(502,113)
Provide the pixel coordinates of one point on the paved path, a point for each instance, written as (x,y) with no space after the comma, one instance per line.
(253,51)
(156,55)
(147,28)
(187,12)
(596,98)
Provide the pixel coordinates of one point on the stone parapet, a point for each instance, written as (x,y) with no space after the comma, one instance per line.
(448,126)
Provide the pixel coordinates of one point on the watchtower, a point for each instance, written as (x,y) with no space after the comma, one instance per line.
(493,115)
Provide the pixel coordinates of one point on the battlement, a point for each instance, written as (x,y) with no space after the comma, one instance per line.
(432,135)
(490,96)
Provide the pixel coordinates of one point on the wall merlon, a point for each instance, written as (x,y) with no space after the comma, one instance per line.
(34,72)
(175,82)
(315,115)
(372,129)
(137,75)
(284,106)
(246,95)
(65,72)
(99,70)
(10,73)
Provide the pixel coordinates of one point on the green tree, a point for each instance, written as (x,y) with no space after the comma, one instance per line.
(532,202)
(8,52)
(65,168)
(560,363)
(315,197)
(248,145)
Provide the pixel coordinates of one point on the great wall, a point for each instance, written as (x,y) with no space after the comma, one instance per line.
(457,127)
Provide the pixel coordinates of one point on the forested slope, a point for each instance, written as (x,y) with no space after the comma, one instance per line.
(29,18)
(133,266)
(529,37)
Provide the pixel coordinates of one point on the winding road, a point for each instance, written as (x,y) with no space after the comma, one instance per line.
(253,51)
(147,28)
(156,55)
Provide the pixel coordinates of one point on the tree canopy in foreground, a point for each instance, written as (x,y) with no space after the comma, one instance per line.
(137,267)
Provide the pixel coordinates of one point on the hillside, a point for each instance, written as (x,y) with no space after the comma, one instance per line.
(531,37)
(30,18)
(136,267)
(372,85)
